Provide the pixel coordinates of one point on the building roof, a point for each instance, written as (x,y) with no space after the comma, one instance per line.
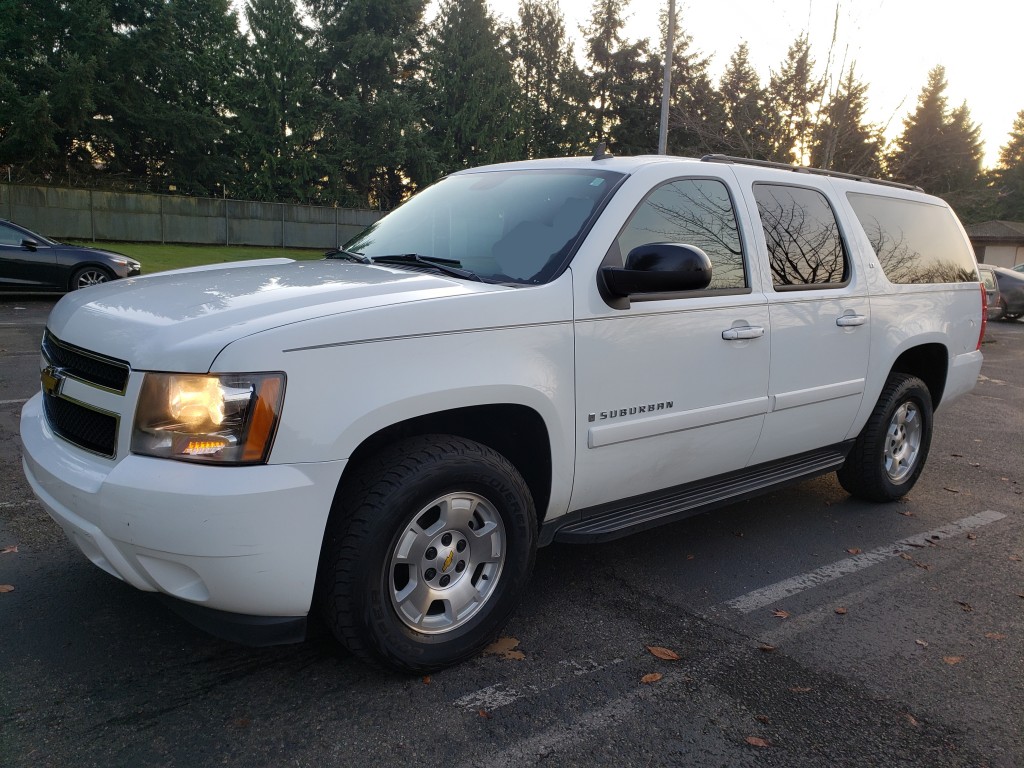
(997,231)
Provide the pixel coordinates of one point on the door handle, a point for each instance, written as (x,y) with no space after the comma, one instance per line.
(743,332)
(848,321)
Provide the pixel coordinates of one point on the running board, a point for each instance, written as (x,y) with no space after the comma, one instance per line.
(621,518)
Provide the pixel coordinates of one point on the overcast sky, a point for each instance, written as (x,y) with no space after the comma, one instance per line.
(893,43)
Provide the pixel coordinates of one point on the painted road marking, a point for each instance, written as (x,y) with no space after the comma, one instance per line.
(496,696)
(761,598)
(14,402)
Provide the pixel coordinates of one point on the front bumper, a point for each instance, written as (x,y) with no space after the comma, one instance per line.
(245,540)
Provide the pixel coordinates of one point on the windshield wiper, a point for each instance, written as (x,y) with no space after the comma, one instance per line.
(447,266)
(341,253)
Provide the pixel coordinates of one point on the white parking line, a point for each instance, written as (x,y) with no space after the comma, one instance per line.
(765,596)
(14,402)
(496,696)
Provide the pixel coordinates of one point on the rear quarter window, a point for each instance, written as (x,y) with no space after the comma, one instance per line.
(915,242)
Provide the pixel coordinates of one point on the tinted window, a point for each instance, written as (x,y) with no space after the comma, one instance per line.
(800,229)
(516,226)
(695,212)
(10,236)
(915,242)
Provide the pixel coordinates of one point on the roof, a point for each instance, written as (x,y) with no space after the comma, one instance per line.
(997,231)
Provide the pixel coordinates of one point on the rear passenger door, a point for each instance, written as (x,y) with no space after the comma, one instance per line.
(819,314)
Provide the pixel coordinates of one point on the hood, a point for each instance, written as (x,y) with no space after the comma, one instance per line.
(180,320)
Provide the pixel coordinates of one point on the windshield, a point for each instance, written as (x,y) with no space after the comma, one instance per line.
(510,226)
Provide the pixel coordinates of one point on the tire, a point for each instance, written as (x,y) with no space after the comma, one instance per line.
(429,551)
(891,450)
(86,276)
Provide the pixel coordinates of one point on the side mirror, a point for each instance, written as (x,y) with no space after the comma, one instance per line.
(659,268)
(30,244)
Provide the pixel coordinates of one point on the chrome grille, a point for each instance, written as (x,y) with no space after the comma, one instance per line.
(87,428)
(106,372)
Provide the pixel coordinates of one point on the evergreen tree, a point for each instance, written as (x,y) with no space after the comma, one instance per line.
(633,109)
(744,130)
(274,104)
(370,147)
(169,104)
(842,141)
(51,58)
(940,149)
(1008,176)
(696,116)
(792,101)
(470,95)
(553,99)
(604,45)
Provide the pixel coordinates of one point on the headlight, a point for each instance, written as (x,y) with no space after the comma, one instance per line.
(221,419)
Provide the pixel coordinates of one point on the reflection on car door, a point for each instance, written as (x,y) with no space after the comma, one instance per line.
(23,267)
(820,322)
(664,394)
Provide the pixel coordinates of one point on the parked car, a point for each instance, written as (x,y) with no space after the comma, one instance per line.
(1011,290)
(988,279)
(31,262)
(564,350)
(1019,268)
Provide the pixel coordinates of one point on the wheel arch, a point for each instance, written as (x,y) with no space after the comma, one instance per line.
(928,362)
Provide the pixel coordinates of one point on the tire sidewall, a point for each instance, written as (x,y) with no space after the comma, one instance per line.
(383,632)
(912,391)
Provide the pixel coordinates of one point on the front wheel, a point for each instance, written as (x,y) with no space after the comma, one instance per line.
(890,451)
(87,276)
(428,554)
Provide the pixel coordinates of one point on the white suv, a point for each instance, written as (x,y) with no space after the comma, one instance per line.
(570,349)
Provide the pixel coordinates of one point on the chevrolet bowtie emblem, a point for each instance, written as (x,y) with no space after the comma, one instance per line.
(51,378)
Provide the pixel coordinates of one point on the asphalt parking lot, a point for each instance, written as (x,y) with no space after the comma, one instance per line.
(811,630)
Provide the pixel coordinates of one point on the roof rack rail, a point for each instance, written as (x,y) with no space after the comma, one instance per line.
(806,169)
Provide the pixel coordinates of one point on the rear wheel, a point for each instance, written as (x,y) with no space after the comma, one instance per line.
(890,451)
(429,553)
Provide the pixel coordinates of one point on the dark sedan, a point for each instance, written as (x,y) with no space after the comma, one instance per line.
(1011,290)
(31,262)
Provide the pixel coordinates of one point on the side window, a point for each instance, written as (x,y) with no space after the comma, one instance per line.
(10,236)
(804,246)
(695,212)
(915,242)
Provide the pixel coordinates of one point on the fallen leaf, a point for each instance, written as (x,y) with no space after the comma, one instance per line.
(484,714)
(12,549)
(6,588)
(995,635)
(766,648)
(841,611)
(762,719)
(1015,558)
(757,741)
(919,564)
(800,689)
(689,557)
(905,556)
(906,513)
(505,648)
(854,551)
(951,660)
(958,455)
(665,654)
(426,679)
(653,677)
(911,719)
(965,607)
(972,536)
(922,643)
(780,614)
(951,490)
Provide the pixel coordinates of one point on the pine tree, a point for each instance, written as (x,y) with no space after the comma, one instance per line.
(470,95)
(842,141)
(633,111)
(744,131)
(696,115)
(551,84)
(1008,176)
(274,104)
(370,147)
(604,46)
(792,100)
(940,149)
